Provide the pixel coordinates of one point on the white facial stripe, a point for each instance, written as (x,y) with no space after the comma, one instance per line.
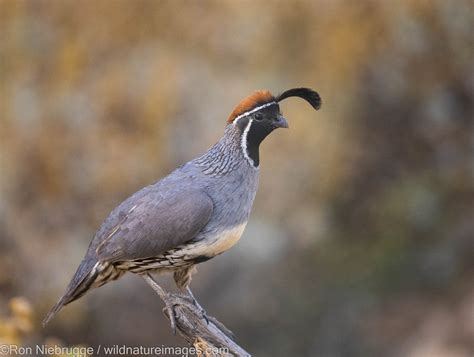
(252,111)
(243,143)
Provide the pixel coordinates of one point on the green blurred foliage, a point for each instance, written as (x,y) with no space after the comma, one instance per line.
(361,240)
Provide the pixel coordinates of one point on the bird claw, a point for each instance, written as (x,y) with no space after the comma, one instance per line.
(200,309)
(203,314)
(169,308)
(205,317)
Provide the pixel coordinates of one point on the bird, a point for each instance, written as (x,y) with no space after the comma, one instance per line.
(197,212)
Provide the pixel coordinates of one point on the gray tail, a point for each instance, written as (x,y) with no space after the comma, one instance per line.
(82,281)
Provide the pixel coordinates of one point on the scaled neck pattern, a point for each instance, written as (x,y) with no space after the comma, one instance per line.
(225,156)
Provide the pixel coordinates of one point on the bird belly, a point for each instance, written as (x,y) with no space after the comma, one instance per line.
(222,241)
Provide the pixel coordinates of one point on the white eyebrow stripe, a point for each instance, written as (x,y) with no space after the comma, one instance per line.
(252,111)
(243,144)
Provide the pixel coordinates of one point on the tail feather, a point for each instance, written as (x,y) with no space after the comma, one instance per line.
(54,310)
(82,281)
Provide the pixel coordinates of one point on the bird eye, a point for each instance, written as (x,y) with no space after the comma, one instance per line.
(258,116)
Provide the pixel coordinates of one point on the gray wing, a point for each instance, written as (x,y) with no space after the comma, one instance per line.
(149,224)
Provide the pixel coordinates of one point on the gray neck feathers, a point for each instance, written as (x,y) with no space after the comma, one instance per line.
(225,156)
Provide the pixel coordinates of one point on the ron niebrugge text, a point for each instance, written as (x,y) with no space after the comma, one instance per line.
(114,350)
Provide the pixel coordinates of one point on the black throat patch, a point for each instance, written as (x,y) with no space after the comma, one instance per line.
(253,134)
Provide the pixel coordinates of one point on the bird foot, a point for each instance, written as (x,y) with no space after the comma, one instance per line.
(169,308)
(201,310)
(171,300)
(184,300)
(203,314)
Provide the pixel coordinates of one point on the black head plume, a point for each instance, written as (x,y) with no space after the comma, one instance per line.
(307,94)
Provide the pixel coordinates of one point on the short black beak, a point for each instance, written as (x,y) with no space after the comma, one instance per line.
(280,122)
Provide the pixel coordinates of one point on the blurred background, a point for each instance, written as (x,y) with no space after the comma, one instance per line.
(361,241)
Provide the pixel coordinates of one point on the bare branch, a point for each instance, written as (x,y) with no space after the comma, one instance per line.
(207,336)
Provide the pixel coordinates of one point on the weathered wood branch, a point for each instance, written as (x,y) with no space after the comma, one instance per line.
(209,336)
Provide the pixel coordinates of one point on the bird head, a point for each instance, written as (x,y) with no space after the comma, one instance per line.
(259,114)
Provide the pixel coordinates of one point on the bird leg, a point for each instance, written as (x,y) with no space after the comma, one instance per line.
(165,297)
(203,312)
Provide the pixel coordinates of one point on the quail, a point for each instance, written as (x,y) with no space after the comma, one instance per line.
(195,213)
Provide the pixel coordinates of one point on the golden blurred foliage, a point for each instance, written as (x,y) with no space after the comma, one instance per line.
(18,324)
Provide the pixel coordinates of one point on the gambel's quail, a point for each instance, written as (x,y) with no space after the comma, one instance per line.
(196,212)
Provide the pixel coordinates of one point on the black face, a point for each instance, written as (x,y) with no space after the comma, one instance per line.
(256,126)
